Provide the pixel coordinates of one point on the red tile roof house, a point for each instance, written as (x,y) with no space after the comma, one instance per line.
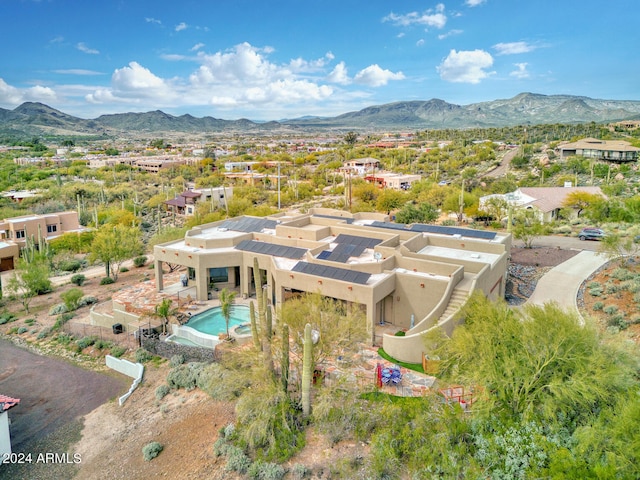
(5,439)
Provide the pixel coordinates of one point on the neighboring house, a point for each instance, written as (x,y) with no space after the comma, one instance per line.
(411,277)
(361,166)
(5,436)
(395,181)
(19,195)
(185,203)
(547,201)
(155,164)
(609,150)
(15,231)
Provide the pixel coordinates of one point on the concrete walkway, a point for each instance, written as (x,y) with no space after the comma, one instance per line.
(561,283)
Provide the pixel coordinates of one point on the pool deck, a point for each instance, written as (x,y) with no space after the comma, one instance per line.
(360,369)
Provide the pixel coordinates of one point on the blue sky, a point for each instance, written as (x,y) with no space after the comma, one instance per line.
(268,60)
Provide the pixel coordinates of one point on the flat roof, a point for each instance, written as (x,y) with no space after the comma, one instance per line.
(455,253)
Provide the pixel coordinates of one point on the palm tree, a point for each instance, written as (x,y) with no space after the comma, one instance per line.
(163,311)
(226,297)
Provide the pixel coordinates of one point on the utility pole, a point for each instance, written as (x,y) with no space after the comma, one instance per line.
(278,185)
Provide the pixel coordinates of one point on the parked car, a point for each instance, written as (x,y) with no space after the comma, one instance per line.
(591,234)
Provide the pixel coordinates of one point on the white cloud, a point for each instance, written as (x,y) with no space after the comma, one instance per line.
(84,48)
(467,66)
(420,42)
(152,20)
(58,39)
(77,71)
(133,82)
(173,57)
(513,48)
(12,96)
(430,18)
(9,95)
(181,26)
(374,76)
(196,47)
(521,72)
(301,65)
(339,75)
(474,3)
(450,33)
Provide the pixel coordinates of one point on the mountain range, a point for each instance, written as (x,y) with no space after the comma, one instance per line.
(524,109)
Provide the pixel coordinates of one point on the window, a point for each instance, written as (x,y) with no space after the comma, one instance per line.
(218,275)
(20,234)
(52,228)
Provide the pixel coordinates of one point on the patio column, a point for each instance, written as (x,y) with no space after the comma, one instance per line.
(159,279)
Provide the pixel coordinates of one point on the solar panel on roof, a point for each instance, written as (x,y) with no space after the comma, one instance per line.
(389,225)
(271,249)
(323,255)
(341,274)
(347,220)
(463,232)
(356,240)
(249,225)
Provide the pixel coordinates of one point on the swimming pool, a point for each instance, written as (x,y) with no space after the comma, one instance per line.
(212,321)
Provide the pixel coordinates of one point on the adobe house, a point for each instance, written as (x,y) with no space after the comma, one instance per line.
(410,277)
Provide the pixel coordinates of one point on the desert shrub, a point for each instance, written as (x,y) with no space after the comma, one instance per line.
(102,344)
(70,265)
(64,338)
(62,319)
(237,461)
(563,230)
(124,269)
(221,447)
(117,351)
(299,471)
(222,383)
(185,376)
(162,391)
(229,430)
(87,300)
(617,321)
(107,281)
(265,471)
(85,342)
(78,279)
(140,261)
(151,451)
(22,330)
(7,317)
(598,306)
(610,309)
(58,309)
(610,288)
(142,355)
(176,360)
(44,333)
(595,291)
(71,298)
(622,274)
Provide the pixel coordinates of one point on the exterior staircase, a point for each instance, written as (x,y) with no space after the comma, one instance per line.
(457,300)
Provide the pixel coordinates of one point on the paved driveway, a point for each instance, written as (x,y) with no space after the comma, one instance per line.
(561,283)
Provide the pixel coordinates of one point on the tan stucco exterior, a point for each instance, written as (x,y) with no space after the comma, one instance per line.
(407,274)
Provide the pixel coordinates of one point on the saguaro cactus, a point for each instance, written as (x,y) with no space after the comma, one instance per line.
(285,358)
(307,368)
(254,326)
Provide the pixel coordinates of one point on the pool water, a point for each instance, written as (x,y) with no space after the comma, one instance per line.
(212,321)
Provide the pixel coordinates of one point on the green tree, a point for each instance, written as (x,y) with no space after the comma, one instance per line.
(528,227)
(351,138)
(390,200)
(113,244)
(423,213)
(71,298)
(226,297)
(164,311)
(30,279)
(580,200)
(535,363)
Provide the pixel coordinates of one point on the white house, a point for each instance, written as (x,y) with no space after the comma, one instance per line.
(547,201)
(5,438)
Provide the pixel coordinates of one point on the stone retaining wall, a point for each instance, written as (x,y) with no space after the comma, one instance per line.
(169,349)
